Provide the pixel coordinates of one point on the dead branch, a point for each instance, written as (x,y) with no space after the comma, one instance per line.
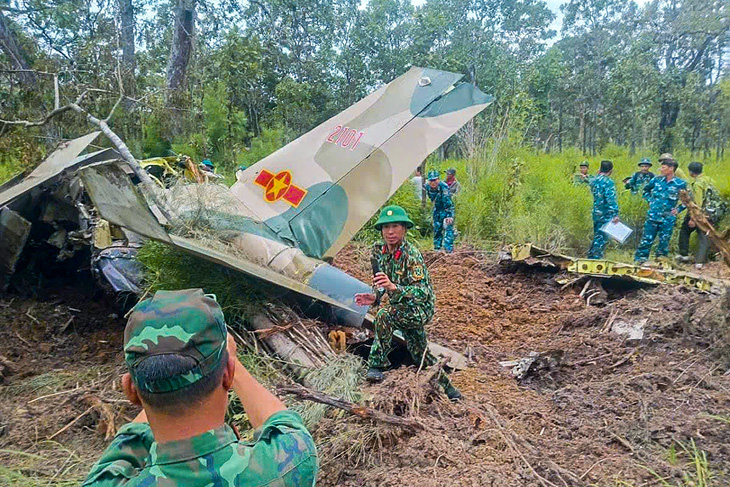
(146,184)
(106,413)
(703,224)
(433,372)
(71,423)
(518,445)
(363,412)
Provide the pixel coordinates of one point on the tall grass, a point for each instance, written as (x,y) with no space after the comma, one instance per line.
(525,196)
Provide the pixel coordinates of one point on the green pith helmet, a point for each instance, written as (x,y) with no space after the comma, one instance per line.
(433,175)
(393,214)
(584,163)
(645,161)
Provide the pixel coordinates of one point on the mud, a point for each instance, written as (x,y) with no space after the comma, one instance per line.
(607,414)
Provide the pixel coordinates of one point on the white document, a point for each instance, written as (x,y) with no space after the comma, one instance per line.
(617,231)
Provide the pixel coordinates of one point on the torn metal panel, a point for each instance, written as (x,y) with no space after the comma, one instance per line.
(121,269)
(533,363)
(531,255)
(119,202)
(534,256)
(14,231)
(63,158)
(607,268)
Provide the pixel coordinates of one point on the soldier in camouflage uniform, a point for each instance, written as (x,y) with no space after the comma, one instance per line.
(181,365)
(582,177)
(639,178)
(605,207)
(443,212)
(404,277)
(662,193)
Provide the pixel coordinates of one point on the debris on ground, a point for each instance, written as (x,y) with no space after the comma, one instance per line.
(631,331)
(601,417)
(534,363)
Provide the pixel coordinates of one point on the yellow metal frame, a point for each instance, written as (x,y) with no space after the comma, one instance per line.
(608,268)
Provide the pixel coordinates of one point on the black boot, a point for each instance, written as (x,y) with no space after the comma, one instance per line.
(452,393)
(374,375)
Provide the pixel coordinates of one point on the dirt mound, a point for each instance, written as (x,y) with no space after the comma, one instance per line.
(610,409)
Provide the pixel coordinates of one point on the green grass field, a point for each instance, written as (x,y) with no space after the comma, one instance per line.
(525,196)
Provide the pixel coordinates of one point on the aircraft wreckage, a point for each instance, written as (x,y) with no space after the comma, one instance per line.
(530,255)
(282,220)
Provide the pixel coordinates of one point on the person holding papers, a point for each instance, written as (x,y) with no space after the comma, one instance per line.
(605,207)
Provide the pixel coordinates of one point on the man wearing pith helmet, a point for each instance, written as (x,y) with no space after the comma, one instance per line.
(181,364)
(401,274)
(636,182)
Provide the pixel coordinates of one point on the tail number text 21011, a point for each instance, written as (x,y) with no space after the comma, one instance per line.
(345,137)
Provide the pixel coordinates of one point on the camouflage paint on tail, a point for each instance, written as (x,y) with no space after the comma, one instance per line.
(319,190)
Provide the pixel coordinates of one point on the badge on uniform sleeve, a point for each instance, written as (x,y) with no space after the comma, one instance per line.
(418,273)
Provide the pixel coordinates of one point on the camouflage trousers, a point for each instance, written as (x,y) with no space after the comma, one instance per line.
(386,322)
(652,228)
(443,235)
(599,240)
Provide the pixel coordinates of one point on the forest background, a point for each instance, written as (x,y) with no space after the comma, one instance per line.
(233,80)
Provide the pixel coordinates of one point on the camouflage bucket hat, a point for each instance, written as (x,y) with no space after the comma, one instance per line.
(451,171)
(187,323)
(645,161)
(393,214)
(666,157)
(433,175)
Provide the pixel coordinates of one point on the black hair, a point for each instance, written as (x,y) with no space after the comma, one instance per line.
(167,366)
(695,167)
(670,162)
(606,166)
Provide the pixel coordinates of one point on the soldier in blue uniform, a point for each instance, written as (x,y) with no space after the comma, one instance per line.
(605,207)
(443,212)
(662,193)
(640,177)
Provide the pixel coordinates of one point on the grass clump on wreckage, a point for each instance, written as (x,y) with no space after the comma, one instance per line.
(588,408)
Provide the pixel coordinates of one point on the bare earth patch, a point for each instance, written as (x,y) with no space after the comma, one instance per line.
(613,411)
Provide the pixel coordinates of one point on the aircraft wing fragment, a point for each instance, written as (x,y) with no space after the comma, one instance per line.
(119,202)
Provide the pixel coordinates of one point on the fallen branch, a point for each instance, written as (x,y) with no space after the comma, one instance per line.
(703,224)
(71,423)
(363,412)
(106,413)
(432,372)
(518,445)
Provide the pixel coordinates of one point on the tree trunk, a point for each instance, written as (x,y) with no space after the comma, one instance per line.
(180,53)
(669,114)
(126,37)
(14,52)
(560,128)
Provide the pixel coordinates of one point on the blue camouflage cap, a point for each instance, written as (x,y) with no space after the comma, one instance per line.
(188,323)
(433,175)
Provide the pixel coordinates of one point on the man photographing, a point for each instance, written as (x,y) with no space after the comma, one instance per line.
(402,274)
(181,364)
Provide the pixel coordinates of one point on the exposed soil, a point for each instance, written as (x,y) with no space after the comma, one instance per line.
(610,411)
(63,350)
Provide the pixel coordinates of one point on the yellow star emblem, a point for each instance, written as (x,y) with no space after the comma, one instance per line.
(390,212)
(277,186)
